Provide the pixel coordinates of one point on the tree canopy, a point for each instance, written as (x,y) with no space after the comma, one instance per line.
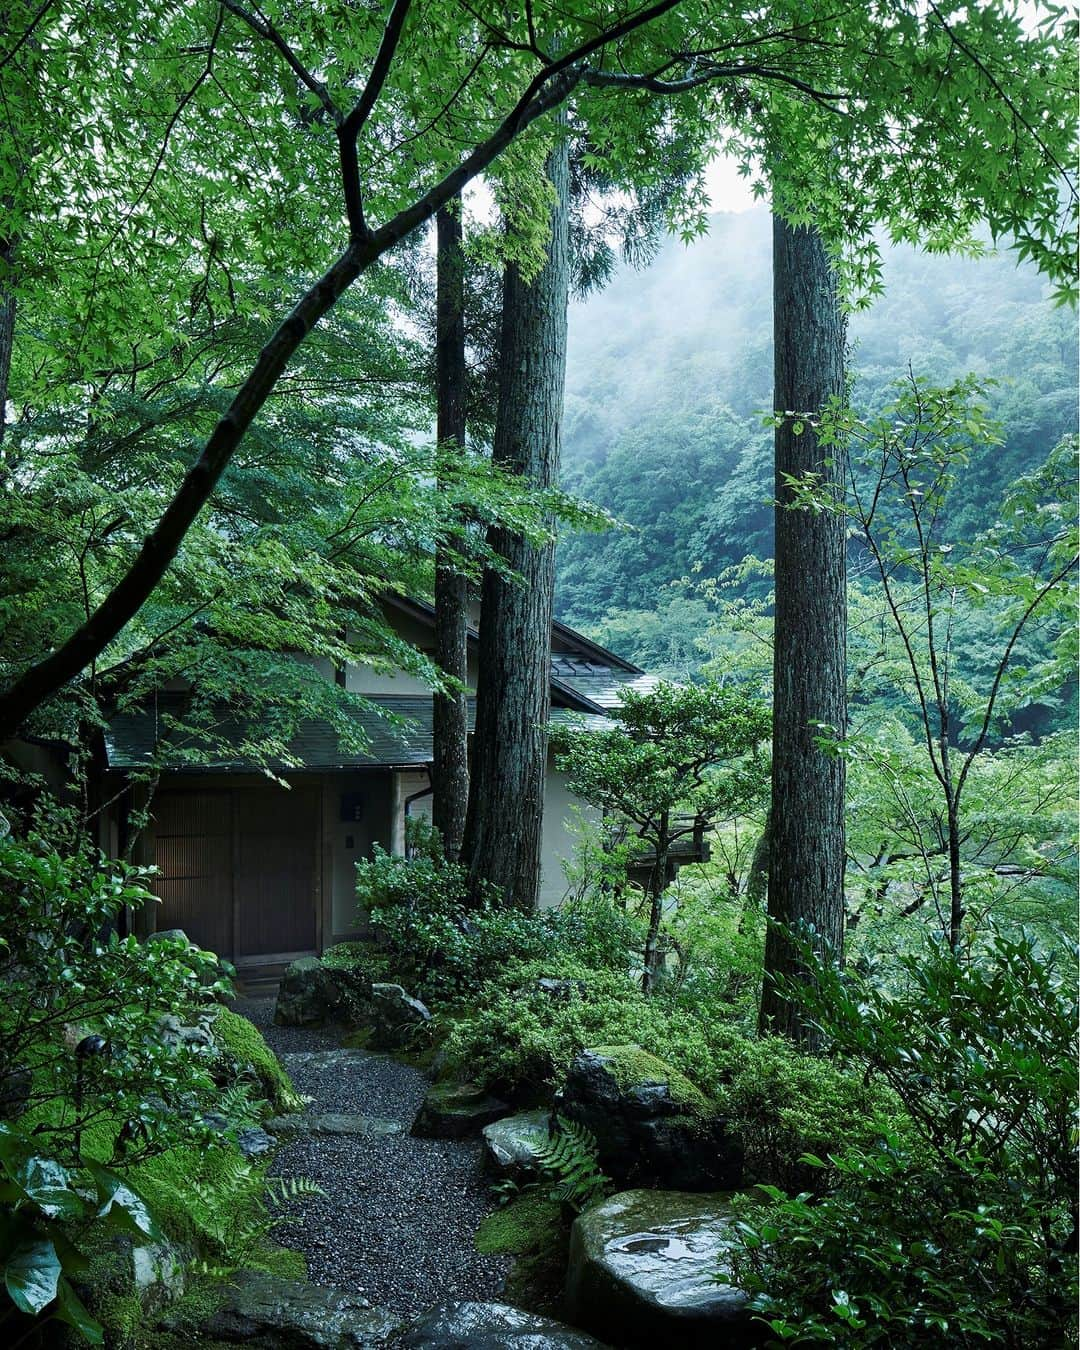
(170,165)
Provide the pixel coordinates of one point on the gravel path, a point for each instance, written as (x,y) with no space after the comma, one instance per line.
(397,1221)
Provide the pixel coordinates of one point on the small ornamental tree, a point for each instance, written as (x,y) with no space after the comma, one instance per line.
(1020,571)
(675,759)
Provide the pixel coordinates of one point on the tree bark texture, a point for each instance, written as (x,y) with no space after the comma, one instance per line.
(7,326)
(506,801)
(806,847)
(450,718)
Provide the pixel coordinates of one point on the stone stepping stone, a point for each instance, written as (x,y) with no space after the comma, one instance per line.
(643,1270)
(275,1314)
(322,1059)
(456,1111)
(490,1326)
(510,1144)
(332,1122)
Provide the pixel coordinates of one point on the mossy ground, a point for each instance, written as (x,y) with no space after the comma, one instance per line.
(630,1065)
(536,1232)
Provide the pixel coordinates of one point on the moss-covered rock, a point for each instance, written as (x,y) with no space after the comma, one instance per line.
(652,1125)
(632,1067)
(244,1043)
(314,994)
(456,1111)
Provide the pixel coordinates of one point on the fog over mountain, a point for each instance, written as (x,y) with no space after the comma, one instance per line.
(670,370)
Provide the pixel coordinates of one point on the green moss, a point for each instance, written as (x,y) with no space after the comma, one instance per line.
(121,1316)
(630,1065)
(525,1225)
(350,956)
(282,1262)
(535,1231)
(245,1043)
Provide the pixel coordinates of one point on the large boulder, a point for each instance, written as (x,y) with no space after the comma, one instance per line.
(456,1111)
(312,994)
(280,1314)
(651,1123)
(511,1145)
(490,1326)
(644,1269)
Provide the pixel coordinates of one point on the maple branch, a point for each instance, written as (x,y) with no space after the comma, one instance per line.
(260,24)
(548,88)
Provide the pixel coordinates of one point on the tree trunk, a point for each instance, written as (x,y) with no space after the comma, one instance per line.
(7,326)
(806,848)
(658,883)
(450,717)
(506,802)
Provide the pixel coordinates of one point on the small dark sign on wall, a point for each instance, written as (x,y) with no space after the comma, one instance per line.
(352,806)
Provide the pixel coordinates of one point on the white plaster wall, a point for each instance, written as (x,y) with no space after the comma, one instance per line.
(559,844)
(364,680)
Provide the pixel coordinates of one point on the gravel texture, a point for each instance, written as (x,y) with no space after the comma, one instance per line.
(397,1222)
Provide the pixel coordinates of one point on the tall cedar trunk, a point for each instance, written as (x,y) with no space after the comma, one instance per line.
(506,801)
(806,847)
(7,326)
(659,881)
(450,721)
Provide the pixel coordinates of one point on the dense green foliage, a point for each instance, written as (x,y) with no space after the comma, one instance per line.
(115,1120)
(50,1209)
(675,761)
(962,1231)
(82,1036)
(175,178)
(516,997)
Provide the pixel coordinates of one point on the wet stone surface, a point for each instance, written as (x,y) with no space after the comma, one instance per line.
(643,1270)
(331,1122)
(456,1111)
(510,1144)
(489,1326)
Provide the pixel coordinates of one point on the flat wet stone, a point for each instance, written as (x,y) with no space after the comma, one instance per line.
(510,1144)
(274,1314)
(489,1326)
(643,1270)
(332,1122)
(320,1059)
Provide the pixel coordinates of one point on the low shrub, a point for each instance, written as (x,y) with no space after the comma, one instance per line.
(446,950)
(963,1230)
(521,1038)
(784,1103)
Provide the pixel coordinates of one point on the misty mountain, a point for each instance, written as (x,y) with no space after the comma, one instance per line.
(670,372)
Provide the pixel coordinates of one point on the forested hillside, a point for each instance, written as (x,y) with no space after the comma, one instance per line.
(670,370)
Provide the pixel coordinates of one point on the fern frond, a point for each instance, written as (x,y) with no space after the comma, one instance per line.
(282,1190)
(569,1162)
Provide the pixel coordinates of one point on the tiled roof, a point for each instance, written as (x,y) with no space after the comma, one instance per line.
(601,685)
(396,730)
